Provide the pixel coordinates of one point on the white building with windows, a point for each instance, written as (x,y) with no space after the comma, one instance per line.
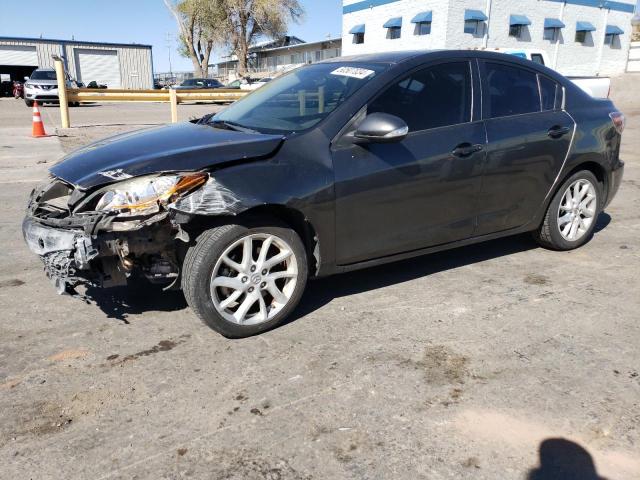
(580,37)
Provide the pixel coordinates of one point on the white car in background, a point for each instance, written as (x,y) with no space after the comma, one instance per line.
(254,84)
(597,87)
(42,86)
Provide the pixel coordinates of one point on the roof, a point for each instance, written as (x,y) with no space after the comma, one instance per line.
(302,45)
(428,55)
(72,42)
(284,41)
(382,57)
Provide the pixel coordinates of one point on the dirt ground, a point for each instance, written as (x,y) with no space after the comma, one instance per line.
(495,361)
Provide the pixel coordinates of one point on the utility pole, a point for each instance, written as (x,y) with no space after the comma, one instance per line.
(169,45)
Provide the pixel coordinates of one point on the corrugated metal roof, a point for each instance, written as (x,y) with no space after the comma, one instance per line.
(74,42)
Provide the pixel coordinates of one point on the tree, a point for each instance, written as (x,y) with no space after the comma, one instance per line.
(246,20)
(200,23)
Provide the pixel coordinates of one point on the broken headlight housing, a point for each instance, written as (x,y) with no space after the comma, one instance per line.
(145,195)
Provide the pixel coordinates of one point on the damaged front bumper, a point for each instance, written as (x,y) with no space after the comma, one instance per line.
(66,253)
(93,248)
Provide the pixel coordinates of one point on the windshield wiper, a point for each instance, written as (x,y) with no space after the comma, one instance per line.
(232,126)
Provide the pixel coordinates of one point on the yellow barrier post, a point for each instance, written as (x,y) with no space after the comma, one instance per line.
(173,96)
(62,91)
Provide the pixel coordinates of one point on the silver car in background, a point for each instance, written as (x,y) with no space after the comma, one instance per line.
(42,86)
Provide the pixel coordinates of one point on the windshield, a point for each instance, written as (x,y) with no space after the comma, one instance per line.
(43,75)
(299,100)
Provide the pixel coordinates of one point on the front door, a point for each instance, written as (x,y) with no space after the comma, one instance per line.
(422,191)
(528,137)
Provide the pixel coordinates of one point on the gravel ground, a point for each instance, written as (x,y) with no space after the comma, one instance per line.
(485,362)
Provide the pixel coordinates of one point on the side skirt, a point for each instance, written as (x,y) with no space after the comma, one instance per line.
(425,251)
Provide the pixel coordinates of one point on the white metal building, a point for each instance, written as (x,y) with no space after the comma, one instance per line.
(581,37)
(113,64)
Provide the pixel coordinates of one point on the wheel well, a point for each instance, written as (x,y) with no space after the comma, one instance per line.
(594,168)
(291,217)
(299,223)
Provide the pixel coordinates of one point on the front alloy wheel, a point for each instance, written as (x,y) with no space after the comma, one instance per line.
(244,279)
(254,279)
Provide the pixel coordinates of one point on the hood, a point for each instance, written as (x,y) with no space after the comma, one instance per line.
(42,81)
(171,148)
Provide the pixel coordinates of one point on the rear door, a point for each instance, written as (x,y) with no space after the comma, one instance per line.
(422,191)
(528,137)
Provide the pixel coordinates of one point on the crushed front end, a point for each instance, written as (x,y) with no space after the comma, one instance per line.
(103,237)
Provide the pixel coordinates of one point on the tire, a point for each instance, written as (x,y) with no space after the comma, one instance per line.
(555,233)
(205,257)
(29,103)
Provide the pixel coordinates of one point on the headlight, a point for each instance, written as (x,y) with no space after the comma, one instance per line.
(144,195)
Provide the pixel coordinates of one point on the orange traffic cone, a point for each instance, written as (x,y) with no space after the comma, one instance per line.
(37,130)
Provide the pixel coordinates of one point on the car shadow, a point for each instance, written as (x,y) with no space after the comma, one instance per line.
(602,221)
(140,297)
(322,291)
(562,459)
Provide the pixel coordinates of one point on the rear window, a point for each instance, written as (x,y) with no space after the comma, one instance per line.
(511,90)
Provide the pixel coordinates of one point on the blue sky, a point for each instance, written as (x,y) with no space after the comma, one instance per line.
(139,21)
(135,21)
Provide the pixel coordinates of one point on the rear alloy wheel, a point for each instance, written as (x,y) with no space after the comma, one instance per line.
(242,281)
(572,214)
(577,210)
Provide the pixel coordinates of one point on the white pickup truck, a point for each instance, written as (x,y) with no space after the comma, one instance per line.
(598,87)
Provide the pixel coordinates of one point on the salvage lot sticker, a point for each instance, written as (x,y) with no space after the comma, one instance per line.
(353,72)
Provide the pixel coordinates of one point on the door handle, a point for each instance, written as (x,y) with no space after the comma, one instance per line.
(466,150)
(557,131)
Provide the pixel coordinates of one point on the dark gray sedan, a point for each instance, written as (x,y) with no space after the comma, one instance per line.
(335,166)
(198,84)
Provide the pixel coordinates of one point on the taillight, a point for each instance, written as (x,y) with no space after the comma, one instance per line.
(618,121)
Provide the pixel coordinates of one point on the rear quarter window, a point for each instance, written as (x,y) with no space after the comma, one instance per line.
(550,93)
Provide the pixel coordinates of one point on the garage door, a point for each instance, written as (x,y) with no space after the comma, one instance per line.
(101,66)
(18,55)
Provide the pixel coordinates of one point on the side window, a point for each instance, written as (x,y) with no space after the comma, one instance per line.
(511,90)
(434,97)
(548,93)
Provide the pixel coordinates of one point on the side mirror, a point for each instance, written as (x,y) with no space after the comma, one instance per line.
(26,78)
(382,128)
